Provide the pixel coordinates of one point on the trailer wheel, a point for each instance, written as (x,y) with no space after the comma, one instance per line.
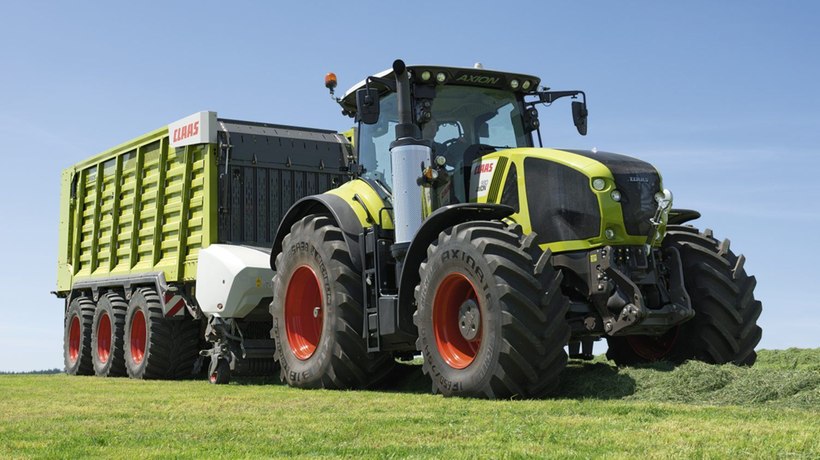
(221,375)
(107,341)
(488,326)
(77,337)
(157,347)
(724,329)
(317,311)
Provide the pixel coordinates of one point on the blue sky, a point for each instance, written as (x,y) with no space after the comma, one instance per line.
(721,96)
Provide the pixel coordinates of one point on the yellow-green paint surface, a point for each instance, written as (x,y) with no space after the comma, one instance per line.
(610,210)
(140,207)
(359,194)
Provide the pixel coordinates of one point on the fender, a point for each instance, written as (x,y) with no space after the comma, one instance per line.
(681,216)
(442,219)
(325,203)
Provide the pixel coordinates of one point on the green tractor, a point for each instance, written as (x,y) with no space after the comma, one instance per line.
(461,240)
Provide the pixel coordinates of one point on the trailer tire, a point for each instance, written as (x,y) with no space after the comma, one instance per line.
(157,347)
(77,337)
(317,311)
(107,342)
(724,329)
(488,326)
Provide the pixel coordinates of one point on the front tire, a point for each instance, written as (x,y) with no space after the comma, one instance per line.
(487,326)
(317,311)
(724,329)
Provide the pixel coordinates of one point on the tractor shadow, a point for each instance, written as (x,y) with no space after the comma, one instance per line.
(593,380)
(580,380)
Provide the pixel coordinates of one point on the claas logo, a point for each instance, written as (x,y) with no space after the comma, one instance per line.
(189,130)
(483,168)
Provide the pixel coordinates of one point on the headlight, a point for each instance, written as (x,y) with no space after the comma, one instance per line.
(440,77)
(426,75)
(514,84)
(609,233)
(598,184)
(616,195)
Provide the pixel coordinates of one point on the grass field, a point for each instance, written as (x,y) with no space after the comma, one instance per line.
(769,411)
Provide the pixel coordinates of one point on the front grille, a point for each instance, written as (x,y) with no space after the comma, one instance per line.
(638,191)
(638,181)
(562,206)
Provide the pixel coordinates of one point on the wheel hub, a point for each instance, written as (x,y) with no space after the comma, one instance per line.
(469,319)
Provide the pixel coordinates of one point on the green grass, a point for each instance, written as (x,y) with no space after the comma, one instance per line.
(769,411)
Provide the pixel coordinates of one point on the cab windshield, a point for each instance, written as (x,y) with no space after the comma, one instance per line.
(462,116)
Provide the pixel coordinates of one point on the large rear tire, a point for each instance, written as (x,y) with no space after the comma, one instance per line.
(488,327)
(724,329)
(157,347)
(317,311)
(107,343)
(77,337)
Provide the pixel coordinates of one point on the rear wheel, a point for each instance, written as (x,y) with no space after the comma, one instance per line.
(77,337)
(157,347)
(317,311)
(107,343)
(724,329)
(488,327)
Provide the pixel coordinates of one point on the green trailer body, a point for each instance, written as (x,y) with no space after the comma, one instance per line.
(137,208)
(147,207)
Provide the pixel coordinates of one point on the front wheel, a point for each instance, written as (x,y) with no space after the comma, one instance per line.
(317,311)
(724,329)
(488,327)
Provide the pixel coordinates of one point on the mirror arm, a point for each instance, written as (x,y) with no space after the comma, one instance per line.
(548,97)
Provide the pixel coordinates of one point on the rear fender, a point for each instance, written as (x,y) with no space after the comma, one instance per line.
(335,207)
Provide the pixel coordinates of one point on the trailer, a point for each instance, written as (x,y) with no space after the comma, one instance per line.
(165,242)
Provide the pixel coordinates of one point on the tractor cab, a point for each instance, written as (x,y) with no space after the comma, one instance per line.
(463,113)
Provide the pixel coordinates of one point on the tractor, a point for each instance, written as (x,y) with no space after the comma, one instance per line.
(495,259)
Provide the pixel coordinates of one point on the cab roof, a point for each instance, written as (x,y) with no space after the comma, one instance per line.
(438,75)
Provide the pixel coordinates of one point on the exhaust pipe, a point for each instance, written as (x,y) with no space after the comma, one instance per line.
(409,155)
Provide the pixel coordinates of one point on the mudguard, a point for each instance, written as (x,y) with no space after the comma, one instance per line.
(327,204)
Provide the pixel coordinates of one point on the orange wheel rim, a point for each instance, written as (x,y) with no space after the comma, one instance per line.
(304,315)
(653,348)
(104,338)
(138,336)
(74,339)
(457,321)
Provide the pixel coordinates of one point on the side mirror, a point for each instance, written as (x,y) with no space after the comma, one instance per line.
(579,116)
(367,105)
